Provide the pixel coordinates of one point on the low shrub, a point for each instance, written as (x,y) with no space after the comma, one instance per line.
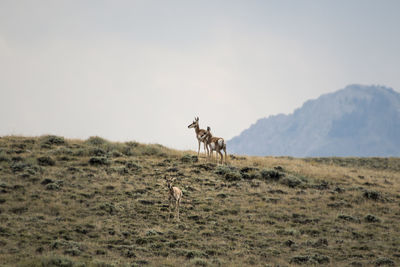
(271,174)
(49,140)
(199,262)
(291,181)
(53,261)
(4,157)
(250,173)
(46,161)
(96,141)
(98,161)
(189,158)
(310,259)
(116,154)
(134,166)
(19,210)
(384,262)
(108,207)
(233,176)
(52,187)
(152,150)
(230,173)
(24,167)
(348,218)
(371,218)
(97,152)
(371,194)
(222,169)
(47,181)
(300,259)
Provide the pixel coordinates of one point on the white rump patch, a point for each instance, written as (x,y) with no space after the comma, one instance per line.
(212,146)
(220,142)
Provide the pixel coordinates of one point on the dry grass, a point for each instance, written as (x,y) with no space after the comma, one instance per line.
(98,203)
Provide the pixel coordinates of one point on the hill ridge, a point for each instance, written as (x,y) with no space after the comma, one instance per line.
(98,203)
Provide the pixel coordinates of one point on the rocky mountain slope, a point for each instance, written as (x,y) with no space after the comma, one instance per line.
(357,121)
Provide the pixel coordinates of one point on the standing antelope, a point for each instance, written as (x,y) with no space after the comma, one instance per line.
(200,135)
(215,144)
(174,193)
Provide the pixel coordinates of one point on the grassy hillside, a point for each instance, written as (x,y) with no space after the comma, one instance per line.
(97,203)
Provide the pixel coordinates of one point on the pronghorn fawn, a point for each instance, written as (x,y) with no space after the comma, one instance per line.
(174,194)
(200,135)
(215,144)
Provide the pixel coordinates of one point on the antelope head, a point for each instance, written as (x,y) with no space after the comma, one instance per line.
(195,123)
(169,181)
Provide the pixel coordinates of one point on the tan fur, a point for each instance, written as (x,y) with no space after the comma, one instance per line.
(215,144)
(174,195)
(200,133)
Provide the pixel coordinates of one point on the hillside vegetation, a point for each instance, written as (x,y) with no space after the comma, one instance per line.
(98,203)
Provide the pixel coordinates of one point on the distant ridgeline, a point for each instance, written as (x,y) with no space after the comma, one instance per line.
(362,121)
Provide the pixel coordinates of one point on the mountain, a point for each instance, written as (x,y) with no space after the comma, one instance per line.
(358,120)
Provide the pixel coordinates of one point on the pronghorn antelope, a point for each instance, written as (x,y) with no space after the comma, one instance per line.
(215,144)
(174,194)
(200,135)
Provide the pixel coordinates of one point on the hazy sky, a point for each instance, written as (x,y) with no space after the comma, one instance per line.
(141,70)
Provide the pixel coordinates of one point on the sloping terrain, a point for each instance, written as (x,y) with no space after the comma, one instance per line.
(97,203)
(358,120)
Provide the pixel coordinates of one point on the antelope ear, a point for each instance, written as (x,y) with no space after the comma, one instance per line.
(197,119)
(208,128)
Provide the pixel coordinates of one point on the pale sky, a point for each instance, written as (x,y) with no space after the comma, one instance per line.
(142,70)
